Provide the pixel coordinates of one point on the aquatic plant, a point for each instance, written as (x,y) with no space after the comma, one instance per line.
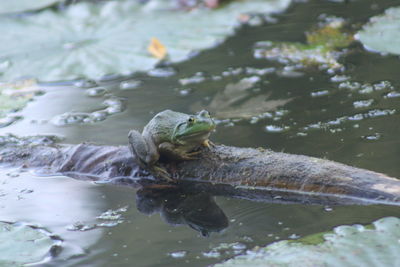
(89,40)
(374,245)
(16,6)
(13,97)
(321,48)
(22,244)
(382,33)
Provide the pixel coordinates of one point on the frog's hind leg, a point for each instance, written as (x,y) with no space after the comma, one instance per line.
(142,151)
(163,173)
(146,155)
(191,155)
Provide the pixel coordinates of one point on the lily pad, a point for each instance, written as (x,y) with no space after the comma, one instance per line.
(14,96)
(16,6)
(21,244)
(89,40)
(382,33)
(347,245)
(322,48)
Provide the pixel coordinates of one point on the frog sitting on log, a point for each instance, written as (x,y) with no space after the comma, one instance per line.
(172,135)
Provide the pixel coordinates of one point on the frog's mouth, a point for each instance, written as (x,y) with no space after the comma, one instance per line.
(195,135)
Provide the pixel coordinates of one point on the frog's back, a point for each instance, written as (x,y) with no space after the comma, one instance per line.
(162,125)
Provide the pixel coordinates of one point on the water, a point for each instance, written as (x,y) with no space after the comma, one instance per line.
(333,124)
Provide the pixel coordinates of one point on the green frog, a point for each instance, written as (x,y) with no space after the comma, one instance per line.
(172,135)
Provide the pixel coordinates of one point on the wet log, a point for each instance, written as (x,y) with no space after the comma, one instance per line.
(255,174)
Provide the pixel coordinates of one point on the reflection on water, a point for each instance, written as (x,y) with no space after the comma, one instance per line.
(198,210)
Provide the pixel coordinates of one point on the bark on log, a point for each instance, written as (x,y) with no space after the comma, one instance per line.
(238,172)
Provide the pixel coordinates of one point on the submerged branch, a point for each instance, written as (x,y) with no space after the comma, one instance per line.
(239,172)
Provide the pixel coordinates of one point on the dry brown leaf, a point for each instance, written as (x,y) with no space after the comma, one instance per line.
(157,49)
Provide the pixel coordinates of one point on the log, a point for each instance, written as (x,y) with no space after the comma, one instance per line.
(255,174)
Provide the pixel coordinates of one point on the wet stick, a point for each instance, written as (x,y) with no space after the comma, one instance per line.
(223,170)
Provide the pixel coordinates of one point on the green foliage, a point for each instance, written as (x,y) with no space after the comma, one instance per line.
(382,33)
(90,40)
(15,6)
(14,96)
(319,49)
(347,245)
(22,244)
(331,36)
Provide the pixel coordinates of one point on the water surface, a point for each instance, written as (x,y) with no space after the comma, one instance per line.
(134,238)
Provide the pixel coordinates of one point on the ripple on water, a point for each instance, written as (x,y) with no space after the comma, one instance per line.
(392,94)
(366,88)
(113,105)
(95,91)
(363,103)
(129,85)
(276,128)
(109,218)
(162,72)
(319,93)
(178,254)
(372,137)
(85,83)
(374,113)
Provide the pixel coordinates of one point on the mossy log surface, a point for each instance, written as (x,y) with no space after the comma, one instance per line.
(255,174)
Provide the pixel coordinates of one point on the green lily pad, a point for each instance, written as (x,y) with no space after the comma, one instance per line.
(91,40)
(21,244)
(13,97)
(347,245)
(16,6)
(322,48)
(382,33)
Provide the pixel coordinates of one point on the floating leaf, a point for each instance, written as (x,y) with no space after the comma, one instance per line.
(320,49)
(157,49)
(382,33)
(21,244)
(14,96)
(15,6)
(347,245)
(90,40)
(330,36)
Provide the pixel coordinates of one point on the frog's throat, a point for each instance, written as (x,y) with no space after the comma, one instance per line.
(176,137)
(174,133)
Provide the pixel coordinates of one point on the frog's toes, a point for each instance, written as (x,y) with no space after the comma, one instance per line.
(207,143)
(191,155)
(163,173)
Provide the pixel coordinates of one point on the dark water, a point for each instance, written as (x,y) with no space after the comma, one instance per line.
(142,240)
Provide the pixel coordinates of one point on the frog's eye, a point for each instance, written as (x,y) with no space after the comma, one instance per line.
(205,113)
(191,120)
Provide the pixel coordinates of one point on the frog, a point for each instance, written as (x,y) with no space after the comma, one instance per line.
(172,135)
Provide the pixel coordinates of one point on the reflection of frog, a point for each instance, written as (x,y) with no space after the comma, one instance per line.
(179,207)
(172,135)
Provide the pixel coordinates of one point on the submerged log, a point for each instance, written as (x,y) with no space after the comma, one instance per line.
(256,174)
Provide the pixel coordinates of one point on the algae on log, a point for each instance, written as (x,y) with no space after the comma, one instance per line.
(238,172)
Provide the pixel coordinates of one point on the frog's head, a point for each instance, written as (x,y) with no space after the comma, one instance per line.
(195,128)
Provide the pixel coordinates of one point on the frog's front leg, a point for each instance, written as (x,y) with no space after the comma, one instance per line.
(207,143)
(173,152)
(146,154)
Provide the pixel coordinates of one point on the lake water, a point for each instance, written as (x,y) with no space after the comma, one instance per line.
(333,124)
